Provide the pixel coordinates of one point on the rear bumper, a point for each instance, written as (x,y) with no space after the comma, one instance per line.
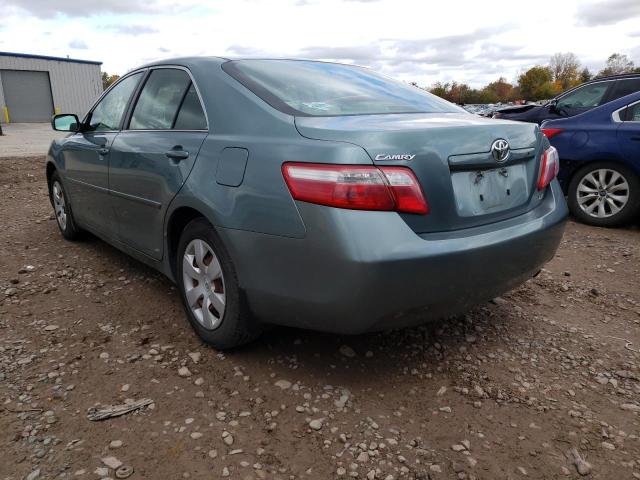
(358,271)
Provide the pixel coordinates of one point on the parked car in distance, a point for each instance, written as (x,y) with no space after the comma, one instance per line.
(578,100)
(309,194)
(482,109)
(600,161)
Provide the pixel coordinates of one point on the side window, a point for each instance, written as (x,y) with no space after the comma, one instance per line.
(588,96)
(622,114)
(633,113)
(191,116)
(626,87)
(160,99)
(108,113)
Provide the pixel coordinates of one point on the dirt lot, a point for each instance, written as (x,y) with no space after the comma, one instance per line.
(538,384)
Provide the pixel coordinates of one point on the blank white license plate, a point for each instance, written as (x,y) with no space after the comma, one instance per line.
(481,192)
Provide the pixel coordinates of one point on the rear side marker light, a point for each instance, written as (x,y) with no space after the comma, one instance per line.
(360,187)
(551,132)
(549,167)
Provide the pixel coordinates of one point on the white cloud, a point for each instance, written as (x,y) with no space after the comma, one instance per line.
(78,44)
(607,13)
(72,8)
(413,40)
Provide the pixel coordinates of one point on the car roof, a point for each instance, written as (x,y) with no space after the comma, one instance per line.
(215,60)
(614,77)
(185,61)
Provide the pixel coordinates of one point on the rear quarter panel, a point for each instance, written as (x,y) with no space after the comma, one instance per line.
(238,118)
(582,142)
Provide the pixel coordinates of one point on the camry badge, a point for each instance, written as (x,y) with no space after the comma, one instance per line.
(500,150)
(403,156)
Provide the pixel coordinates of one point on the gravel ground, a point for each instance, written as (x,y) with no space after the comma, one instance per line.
(541,383)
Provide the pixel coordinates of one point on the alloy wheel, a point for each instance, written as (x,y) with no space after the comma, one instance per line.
(602,193)
(203,282)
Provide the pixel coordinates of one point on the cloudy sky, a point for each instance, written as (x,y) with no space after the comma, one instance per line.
(414,40)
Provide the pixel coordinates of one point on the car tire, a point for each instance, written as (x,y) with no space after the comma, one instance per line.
(209,288)
(62,208)
(614,186)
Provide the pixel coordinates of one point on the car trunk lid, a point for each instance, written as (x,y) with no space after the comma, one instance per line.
(450,154)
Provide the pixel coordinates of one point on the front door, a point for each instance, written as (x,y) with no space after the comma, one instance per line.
(582,99)
(86,157)
(151,158)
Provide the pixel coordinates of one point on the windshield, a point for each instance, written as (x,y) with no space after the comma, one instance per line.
(300,87)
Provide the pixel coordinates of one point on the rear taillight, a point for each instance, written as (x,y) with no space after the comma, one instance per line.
(548,167)
(551,132)
(359,187)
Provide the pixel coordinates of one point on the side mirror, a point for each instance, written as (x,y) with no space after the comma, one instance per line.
(65,122)
(553,108)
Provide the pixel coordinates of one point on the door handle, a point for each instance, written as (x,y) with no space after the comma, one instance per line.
(103,150)
(177,154)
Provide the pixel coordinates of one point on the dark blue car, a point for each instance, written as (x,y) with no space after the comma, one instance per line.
(580,99)
(600,161)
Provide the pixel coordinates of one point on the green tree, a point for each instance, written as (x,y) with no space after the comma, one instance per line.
(585,75)
(440,89)
(537,83)
(616,64)
(565,69)
(108,79)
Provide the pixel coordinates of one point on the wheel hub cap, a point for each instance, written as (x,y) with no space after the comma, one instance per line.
(602,193)
(59,205)
(204,284)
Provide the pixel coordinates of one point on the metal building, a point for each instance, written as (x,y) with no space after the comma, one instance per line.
(34,87)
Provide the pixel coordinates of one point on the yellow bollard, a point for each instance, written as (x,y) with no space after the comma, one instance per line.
(6,114)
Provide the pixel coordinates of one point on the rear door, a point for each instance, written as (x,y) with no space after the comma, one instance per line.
(152,157)
(629,135)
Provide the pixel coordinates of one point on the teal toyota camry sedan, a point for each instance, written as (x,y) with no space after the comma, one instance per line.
(304,193)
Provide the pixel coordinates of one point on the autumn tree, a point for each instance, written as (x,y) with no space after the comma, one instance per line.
(500,89)
(455,92)
(565,69)
(616,64)
(107,80)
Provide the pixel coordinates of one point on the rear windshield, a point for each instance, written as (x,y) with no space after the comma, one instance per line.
(308,88)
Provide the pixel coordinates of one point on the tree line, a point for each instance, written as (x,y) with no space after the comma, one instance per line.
(538,83)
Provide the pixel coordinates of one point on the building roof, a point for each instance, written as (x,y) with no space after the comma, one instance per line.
(45,57)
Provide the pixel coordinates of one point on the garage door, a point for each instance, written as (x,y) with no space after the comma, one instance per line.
(27,95)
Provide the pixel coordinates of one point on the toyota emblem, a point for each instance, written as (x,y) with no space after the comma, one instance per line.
(500,150)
